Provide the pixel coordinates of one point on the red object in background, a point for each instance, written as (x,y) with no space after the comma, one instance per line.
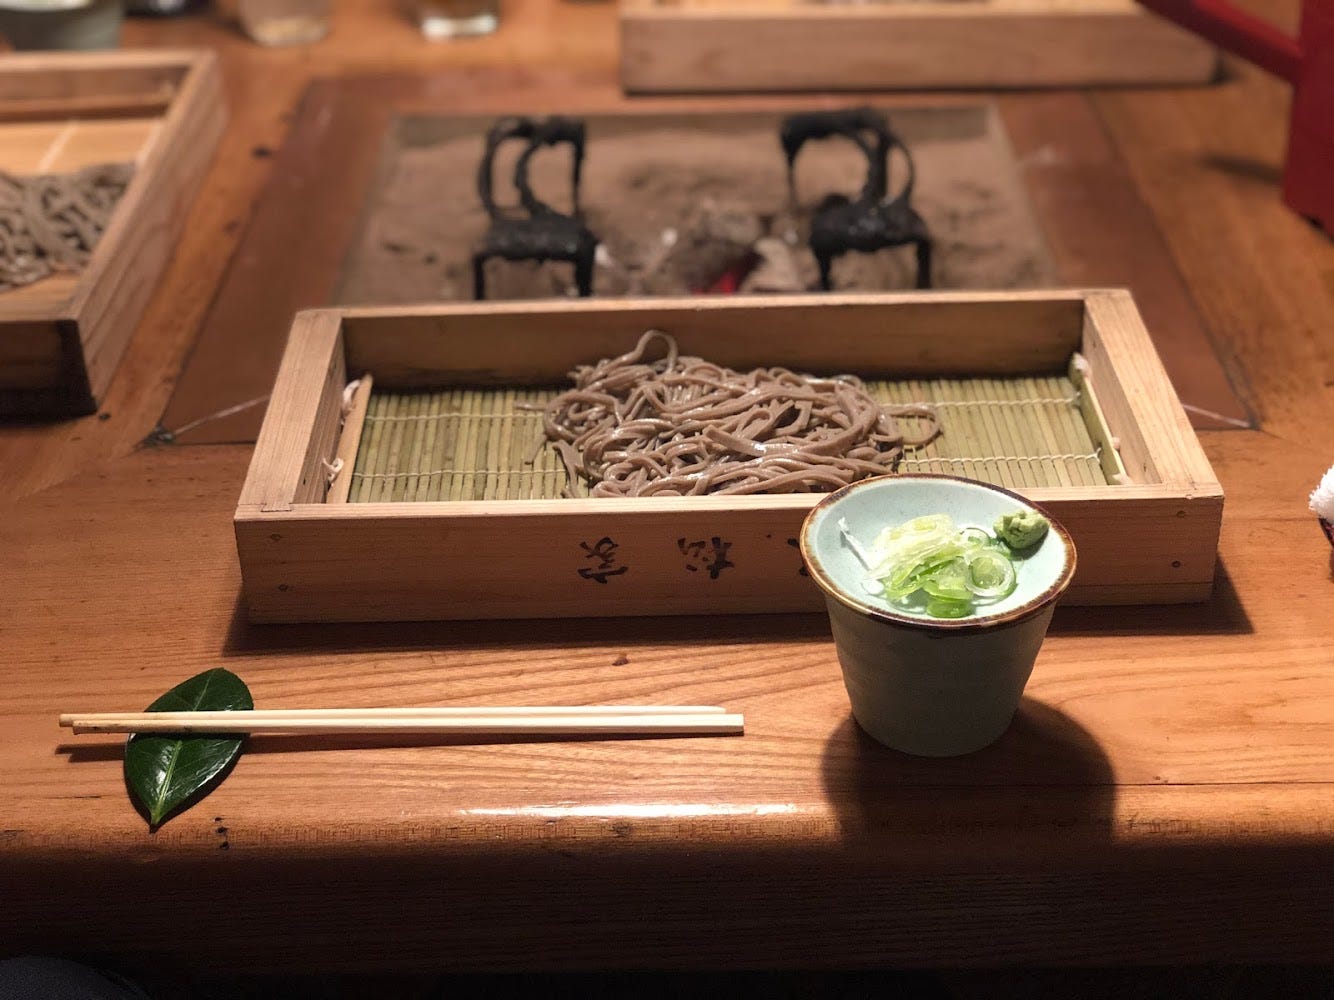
(1307,62)
(729,282)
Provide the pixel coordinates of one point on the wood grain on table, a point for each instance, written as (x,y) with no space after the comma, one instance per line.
(1165,795)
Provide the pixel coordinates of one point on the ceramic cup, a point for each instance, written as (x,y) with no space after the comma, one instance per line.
(930,686)
(61,24)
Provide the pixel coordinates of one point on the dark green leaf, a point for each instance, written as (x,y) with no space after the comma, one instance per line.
(167,772)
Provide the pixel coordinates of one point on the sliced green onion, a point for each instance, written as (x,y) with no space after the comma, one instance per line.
(979,535)
(928,564)
(990,575)
(940,608)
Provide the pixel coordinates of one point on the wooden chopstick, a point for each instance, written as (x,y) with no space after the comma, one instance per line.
(422,711)
(517,721)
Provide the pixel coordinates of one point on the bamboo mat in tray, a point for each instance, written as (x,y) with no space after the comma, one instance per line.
(476,444)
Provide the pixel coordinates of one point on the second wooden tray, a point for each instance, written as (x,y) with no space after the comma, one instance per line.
(62,337)
(680,46)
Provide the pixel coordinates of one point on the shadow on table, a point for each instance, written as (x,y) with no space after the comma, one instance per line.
(113,747)
(246,639)
(1045,772)
(1222,614)
(1245,168)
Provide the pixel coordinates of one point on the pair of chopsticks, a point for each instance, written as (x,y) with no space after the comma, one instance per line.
(550,720)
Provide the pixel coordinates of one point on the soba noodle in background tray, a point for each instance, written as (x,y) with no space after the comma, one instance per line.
(52,222)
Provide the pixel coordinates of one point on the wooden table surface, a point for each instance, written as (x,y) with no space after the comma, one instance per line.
(1166,793)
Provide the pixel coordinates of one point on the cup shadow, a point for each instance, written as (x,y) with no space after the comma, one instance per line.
(1046,768)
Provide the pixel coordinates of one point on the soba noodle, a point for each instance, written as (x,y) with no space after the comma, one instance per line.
(683,426)
(52,222)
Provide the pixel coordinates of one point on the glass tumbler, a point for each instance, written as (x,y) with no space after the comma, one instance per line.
(440,19)
(285,22)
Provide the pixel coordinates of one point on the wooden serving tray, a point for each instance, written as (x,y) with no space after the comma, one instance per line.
(1147,533)
(676,46)
(62,337)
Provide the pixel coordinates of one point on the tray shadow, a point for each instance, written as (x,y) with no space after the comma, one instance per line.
(1222,614)
(247,639)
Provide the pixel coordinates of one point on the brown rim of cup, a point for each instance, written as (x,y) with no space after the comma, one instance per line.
(972,623)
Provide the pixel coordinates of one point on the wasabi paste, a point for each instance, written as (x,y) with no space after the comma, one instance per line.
(1021,530)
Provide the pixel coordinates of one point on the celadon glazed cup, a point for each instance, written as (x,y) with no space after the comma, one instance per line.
(61,24)
(931,686)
